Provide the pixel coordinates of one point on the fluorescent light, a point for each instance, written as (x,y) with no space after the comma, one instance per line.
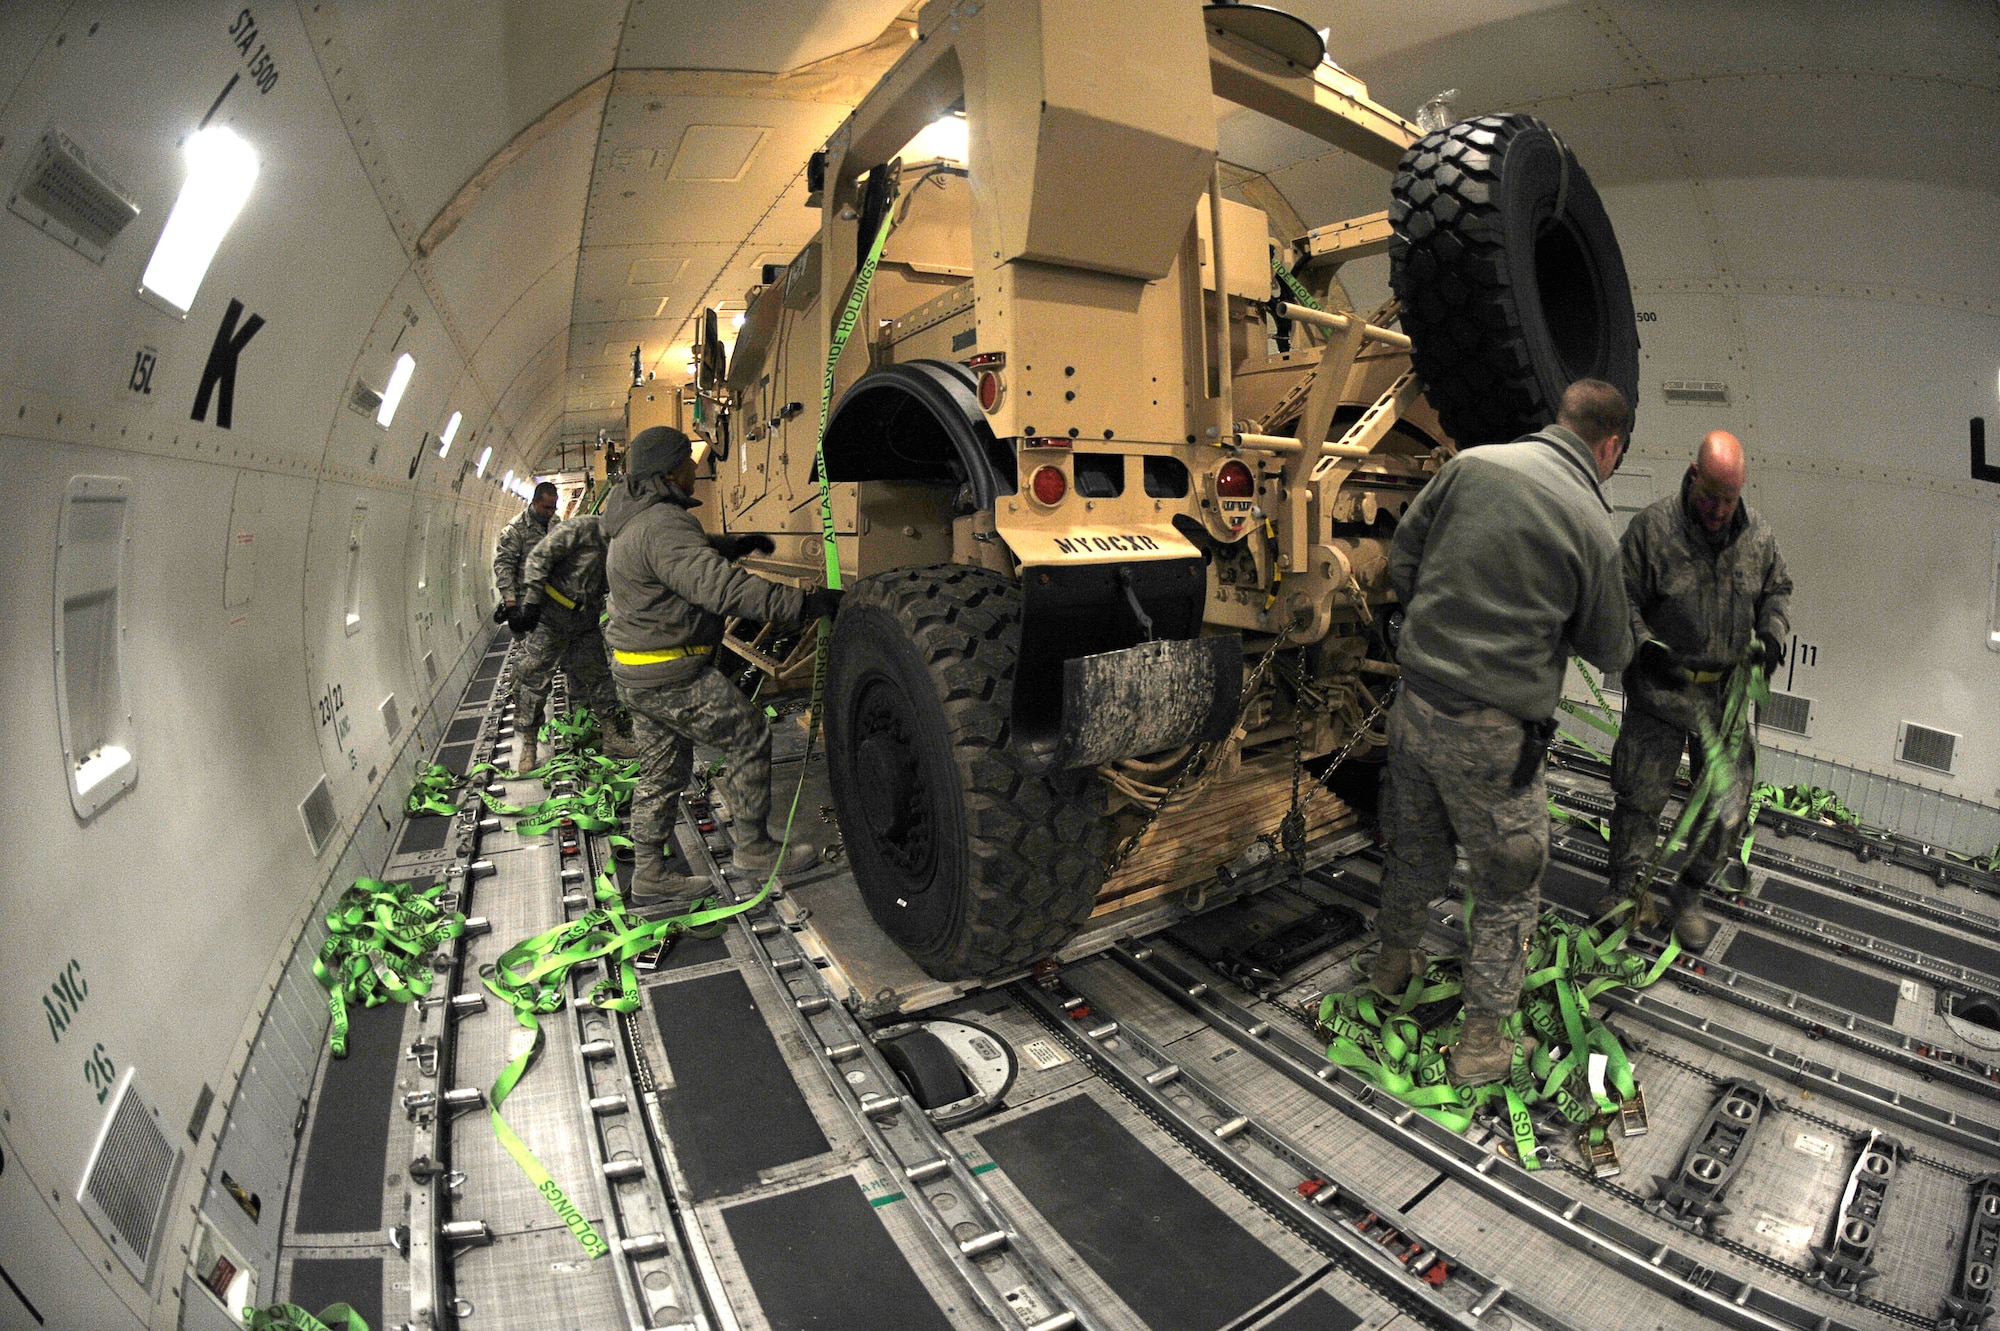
(353,619)
(392,396)
(450,433)
(484,457)
(221,171)
(92,771)
(737,322)
(508,480)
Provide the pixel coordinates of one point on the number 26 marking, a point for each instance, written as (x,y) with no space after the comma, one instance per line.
(100,1072)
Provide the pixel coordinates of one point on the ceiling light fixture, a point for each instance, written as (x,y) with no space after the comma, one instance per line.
(221,172)
(484,458)
(450,433)
(392,396)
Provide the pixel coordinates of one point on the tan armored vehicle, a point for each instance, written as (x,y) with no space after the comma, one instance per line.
(1105,541)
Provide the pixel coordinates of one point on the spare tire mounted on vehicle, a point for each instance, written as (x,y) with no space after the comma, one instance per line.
(1510,277)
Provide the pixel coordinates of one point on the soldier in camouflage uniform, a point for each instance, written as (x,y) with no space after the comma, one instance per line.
(1506,563)
(562,602)
(1708,589)
(672,584)
(516,539)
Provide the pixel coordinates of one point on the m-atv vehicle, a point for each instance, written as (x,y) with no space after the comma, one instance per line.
(1107,537)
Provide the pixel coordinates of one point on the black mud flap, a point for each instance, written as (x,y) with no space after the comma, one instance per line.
(1110,665)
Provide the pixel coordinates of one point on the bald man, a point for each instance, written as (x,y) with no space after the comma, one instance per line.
(1708,591)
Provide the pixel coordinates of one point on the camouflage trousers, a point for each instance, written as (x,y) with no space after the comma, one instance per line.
(668,720)
(1644,763)
(580,652)
(1450,781)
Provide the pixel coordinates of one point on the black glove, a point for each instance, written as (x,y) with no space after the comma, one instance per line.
(524,618)
(735,547)
(822,603)
(1658,663)
(1767,651)
(502,613)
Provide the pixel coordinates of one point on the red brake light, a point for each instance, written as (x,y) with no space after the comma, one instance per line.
(1234,481)
(989,391)
(1048,485)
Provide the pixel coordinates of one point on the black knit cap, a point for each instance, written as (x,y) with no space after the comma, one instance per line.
(655,451)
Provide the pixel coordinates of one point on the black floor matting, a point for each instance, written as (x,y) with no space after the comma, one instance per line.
(1317,1311)
(1852,914)
(354,1281)
(734,1109)
(1843,986)
(1140,1225)
(464,730)
(424,833)
(820,1258)
(1565,885)
(480,690)
(340,1191)
(456,758)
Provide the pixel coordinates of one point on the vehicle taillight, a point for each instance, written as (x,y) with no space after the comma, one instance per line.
(989,391)
(1234,481)
(1048,485)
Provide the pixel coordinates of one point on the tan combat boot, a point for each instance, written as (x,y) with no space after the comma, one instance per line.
(618,744)
(1694,926)
(524,754)
(761,856)
(1393,969)
(1483,1054)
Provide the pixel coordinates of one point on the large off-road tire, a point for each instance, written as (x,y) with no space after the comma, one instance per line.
(970,863)
(1507,302)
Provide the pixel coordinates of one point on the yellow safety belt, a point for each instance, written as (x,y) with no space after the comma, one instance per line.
(558,597)
(655,658)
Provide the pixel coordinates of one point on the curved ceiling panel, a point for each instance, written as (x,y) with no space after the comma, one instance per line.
(763,35)
(483,72)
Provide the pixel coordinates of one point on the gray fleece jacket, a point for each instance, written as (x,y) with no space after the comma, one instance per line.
(671,588)
(1506,564)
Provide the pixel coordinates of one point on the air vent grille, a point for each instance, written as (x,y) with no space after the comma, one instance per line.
(1924,747)
(1787,711)
(1705,391)
(70,197)
(126,1181)
(317,811)
(392,716)
(431,667)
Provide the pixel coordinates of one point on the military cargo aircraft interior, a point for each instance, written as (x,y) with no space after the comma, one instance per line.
(999,665)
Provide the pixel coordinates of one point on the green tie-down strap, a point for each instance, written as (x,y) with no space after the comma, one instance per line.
(380,937)
(603,787)
(436,785)
(1561,815)
(291,1317)
(532,977)
(578,727)
(1568,965)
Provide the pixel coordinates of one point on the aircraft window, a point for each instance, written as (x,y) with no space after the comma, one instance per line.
(353,598)
(221,171)
(92,555)
(392,396)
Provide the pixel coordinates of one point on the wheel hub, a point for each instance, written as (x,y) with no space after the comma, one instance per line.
(894,802)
